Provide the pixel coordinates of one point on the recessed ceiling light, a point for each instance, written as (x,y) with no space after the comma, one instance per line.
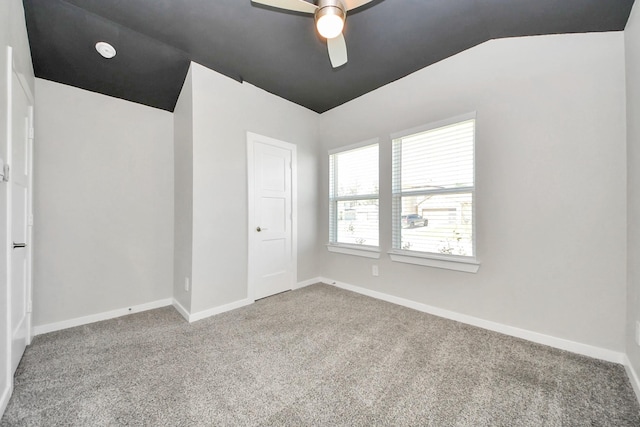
(105,49)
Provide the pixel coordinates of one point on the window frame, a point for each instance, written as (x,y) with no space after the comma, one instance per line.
(469,264)
(363,250)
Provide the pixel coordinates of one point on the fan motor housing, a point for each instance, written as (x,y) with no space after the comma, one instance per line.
(331,7)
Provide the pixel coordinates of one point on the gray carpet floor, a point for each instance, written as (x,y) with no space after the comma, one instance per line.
(315,356)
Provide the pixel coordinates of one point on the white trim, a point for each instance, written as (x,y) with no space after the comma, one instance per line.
(218,310)
(355,146)
(294,211)
(8,387)
(211,311)
(465,264)
(308,282)
(12,90)
(250,214)
(551,341)
(434,125)
(356,197)
(180,309)
(6,396)
(363,251)
(633,376)
(79,321)
(397,193)
(252,139)
(29,213)
(334,199)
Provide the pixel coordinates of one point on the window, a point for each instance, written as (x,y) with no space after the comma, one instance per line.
(353,196)
(433,191)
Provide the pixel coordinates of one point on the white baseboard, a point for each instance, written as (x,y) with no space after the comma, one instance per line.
(231,306)
(79,321)
(633,377)
(6,395)
(179,307)
(561,343)
(307,282)
(217,310)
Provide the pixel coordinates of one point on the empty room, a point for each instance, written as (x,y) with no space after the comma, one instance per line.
(320,212)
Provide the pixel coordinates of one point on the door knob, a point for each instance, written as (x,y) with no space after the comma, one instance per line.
(19,245)
(258,229)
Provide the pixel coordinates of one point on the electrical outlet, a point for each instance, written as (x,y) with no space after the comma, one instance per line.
(374,270)
(186,284)
(638,332)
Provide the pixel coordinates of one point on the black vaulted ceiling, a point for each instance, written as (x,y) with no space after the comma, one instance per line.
(279,51)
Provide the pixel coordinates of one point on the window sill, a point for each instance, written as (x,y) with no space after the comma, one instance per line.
(363,251)
(464,264)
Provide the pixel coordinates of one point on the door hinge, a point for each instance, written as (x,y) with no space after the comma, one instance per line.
(29,307)
(5,171)
(30,220)
(31,133)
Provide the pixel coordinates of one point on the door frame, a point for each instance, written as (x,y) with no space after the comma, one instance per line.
(24,86)
(7,389)
(252,139)
(29,236)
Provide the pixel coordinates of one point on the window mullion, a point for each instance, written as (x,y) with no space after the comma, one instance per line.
(356,197)
(438,191)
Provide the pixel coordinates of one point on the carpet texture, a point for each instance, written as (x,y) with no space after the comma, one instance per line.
(316,356)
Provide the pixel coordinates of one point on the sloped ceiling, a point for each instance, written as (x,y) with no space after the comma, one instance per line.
(278,51)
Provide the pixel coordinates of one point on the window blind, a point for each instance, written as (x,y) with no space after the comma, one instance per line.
(433,190)
(353,196)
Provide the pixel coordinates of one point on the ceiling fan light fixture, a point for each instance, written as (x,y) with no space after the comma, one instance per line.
(330,21)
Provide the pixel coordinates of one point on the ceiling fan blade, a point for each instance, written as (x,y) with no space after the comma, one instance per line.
(352,4)
(337,48)
(295,5)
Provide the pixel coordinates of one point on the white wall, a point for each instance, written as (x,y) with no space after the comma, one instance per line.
(223,111)
(12,33)
(632,48)
(183,192)
(103,203)
(551,183)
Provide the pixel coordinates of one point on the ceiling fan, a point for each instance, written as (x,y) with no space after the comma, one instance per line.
(330,16)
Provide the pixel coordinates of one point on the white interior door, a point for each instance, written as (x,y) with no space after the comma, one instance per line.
(19,196)
(272,247)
